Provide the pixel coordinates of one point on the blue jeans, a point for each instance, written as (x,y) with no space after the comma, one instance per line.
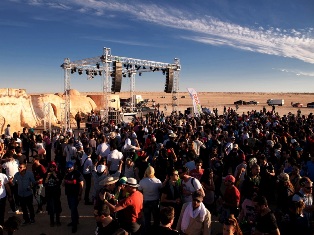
(150,207)
(27,206)
(73,203)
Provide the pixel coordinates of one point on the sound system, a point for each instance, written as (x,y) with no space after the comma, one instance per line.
(169,81)
(116,77)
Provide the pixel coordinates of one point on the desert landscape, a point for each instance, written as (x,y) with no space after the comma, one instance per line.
(20,109)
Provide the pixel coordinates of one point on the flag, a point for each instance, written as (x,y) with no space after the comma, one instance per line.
(196,102)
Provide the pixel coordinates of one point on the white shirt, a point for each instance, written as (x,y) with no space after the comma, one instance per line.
(190,187)
(150,188)
(3,180)
(69,152)
(103,150)
(11,168)
(88,164)
(114,158)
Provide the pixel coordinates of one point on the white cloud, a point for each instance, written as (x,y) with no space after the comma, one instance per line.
(298,73)
(291,43)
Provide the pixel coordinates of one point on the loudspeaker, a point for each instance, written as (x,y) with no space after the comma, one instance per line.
(116,77)
(169,81)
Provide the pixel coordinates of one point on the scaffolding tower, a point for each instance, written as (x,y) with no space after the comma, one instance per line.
(103,66)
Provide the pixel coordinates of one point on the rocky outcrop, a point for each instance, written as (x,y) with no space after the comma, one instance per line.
(21,110)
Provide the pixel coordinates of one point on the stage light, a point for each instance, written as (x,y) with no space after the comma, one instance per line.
(72,71)
(97,65)
(163,71)
(140,74)
(100,73)
(144,67)
(87,72)
(124,75)
(80,71)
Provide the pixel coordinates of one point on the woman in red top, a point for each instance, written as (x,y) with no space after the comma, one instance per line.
(231,198)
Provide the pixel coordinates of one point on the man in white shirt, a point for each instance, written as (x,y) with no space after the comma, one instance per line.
(11,167)
(5,192)
(70,151)
(103,149)
(114,159)
(189,184)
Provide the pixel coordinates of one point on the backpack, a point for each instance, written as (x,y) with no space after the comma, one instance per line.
(80,168)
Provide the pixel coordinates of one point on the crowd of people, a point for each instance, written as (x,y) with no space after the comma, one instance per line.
(160,174)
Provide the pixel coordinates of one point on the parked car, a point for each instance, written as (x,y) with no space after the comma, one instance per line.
(241,102)
(253,102)
(310,105)
(297,105)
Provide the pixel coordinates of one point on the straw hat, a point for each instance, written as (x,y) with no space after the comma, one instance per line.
(132,183)
(109,180)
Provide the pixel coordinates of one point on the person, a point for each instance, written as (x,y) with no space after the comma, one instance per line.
(78,120)
(293,222)
(25,143)
(108,225)
(69,151)
(285,190)
(131,207)
(189,184)
(86,165)
(170,195)
(231,198)
(207,181)
(103,149)
(11,167)
(39,172)
(305,194)
(265,219)
(198,171)
(113,159)
(25,181)
(73,183)
(98,175)
(231,226)
(194,218)
(5,192)
(52,182)
(150,186)
(167,216)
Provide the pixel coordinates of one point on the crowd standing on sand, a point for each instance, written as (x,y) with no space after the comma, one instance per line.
(253,171)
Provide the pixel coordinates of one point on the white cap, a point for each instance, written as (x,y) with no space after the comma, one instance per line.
(101,168)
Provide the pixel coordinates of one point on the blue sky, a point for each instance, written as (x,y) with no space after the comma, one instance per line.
(235,45)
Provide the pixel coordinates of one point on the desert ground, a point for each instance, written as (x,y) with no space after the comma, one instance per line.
(220,99)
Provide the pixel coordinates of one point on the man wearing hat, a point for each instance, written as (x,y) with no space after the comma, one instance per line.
(194,218)
(73,183)
(99,174)
(130,206)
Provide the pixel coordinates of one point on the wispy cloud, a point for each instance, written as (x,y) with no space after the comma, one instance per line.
(292,43)
(126,42)
(295,72)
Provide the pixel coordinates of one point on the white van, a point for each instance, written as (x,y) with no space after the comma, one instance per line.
(272,102)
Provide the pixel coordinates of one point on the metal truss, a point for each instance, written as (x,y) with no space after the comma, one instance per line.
(47,116)
(102,65)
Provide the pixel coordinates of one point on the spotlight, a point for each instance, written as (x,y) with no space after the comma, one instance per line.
(144,67)
(124,75)
(163,71)
(87,72)
(124,65)
(100,73)
(80,71)
(97,65)
(140,74)
(72,71)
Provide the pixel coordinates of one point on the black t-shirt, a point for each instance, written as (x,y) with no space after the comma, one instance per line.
(266,223)
(165,231)
(112,228)
(73,189)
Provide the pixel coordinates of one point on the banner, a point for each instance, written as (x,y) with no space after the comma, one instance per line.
(196,102)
